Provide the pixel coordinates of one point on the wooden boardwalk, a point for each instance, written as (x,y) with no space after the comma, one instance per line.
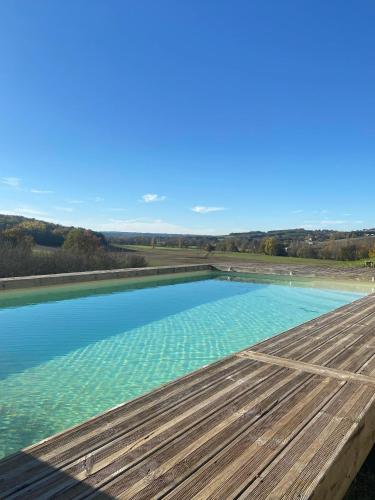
(292,417)
(300,270)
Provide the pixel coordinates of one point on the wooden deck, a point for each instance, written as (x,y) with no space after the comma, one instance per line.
(292,417)
(301,270)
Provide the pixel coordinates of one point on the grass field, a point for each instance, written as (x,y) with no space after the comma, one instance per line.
(162,256)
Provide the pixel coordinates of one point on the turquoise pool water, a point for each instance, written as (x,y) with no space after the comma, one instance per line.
(69,353)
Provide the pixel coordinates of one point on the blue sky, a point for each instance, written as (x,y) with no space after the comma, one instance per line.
(199,116)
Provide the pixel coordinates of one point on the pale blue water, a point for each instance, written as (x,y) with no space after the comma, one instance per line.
(70,353)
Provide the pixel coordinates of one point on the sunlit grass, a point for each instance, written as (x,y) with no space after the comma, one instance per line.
(168,255)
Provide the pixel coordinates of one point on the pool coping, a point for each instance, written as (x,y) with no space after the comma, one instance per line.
(87,276)
(359,274)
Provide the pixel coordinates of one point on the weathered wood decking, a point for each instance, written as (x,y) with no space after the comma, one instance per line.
(301,270)
(291,417)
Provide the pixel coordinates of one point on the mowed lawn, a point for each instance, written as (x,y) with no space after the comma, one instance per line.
(163,256)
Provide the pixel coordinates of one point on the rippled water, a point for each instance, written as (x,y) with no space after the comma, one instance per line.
(69,353)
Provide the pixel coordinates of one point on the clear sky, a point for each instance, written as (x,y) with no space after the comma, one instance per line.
(199,116)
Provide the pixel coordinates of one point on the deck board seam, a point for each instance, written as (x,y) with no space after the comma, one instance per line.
(308,367)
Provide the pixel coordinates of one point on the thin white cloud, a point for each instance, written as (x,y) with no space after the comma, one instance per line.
(63,209)
(326,223)
(152,197)
(41,191)
(333,222)
(26,211)
(143,225)
(205,210)
(97,199)
(14,182)
(299,211)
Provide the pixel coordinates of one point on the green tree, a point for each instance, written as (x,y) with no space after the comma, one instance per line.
(348,252)
(182,243)
(272,246)
(209,247)
(18,237)
(230,245)
(82,241)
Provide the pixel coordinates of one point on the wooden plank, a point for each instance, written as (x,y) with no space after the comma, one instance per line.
(224,474)
(320,349)
(308,367)
(369,367)
(335,322)
(211,433)
(354,357)
(355,273)
(146,438)
(332,349)
(312,465)
(81,439)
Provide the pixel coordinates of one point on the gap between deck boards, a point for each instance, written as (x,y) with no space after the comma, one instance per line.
(307,367)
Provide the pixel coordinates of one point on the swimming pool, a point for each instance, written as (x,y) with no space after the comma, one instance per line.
(70,352)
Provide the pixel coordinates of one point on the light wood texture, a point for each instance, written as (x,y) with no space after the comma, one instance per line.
(307,367)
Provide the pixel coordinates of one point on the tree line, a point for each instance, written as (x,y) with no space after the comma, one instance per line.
(79,250)
(328,246)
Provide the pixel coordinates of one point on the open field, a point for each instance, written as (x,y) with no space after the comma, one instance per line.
(161,256)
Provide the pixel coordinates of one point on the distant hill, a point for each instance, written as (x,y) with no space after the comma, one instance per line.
(301,234)
(285,235)
(44,233)
(50,234)
(7,221)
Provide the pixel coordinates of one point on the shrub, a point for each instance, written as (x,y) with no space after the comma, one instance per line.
(348,252)
(17,260)
(135,261)
(82,241)
(15,236)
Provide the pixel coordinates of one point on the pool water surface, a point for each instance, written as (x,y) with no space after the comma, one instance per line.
(68,353)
